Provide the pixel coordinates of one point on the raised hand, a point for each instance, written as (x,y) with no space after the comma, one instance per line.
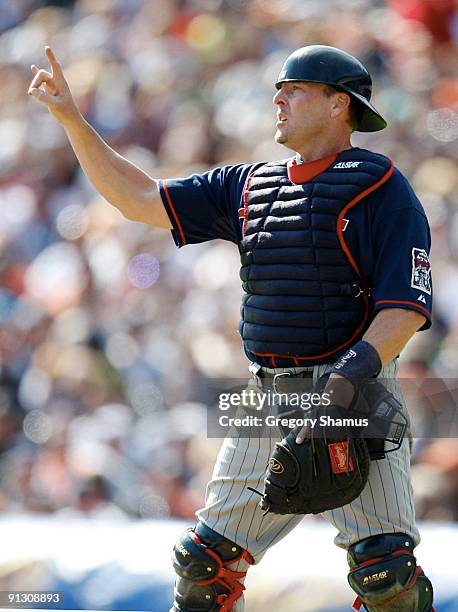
(51,89)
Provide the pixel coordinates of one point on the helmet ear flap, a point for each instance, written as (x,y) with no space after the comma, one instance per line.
(366,91)
(361,86)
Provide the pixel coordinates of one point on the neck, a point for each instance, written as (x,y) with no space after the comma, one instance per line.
(323,147)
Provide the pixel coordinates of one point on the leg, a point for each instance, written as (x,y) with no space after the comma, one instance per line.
(385,505)
(231,519)
(385,575)
(231,509)
(207,579)
(378,529)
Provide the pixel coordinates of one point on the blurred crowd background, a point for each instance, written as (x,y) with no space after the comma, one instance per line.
(109,335)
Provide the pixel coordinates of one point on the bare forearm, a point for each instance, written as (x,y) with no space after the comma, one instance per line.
(391,329)
(119,181)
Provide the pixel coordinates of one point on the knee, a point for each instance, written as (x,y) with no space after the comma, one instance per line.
(204,581)
(385,575)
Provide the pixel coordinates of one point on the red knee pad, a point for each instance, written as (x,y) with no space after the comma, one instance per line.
(204,580)
(385,575)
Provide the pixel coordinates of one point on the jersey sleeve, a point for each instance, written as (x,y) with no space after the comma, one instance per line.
(402,242)
(205,206)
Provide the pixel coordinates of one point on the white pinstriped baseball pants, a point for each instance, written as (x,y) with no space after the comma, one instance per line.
(384,506)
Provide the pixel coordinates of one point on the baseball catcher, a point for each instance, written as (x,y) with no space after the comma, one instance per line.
(334,248)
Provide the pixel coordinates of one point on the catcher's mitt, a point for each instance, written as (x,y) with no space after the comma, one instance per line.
(330,468)
(319,474)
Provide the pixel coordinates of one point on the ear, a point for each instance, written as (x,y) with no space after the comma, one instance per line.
(341,101)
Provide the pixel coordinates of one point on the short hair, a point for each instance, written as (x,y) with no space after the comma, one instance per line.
(354,110)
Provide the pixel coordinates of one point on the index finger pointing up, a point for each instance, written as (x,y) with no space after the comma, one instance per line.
(57,70)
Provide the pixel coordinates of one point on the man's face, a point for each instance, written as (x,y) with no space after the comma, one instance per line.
(303,112)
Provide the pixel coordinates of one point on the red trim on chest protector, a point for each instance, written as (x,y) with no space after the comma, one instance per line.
(353,264)
(244,215)
(306,171)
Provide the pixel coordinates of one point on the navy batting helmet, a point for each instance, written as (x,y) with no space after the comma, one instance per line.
(331,66)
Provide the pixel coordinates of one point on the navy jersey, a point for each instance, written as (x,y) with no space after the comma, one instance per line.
(387,232)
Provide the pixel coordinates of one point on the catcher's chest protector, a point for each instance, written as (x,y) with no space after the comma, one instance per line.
(305,299)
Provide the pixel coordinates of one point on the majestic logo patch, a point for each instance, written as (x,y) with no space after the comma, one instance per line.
(421,271)
(340,460)
(421,298)
(347,164)
(275,466)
